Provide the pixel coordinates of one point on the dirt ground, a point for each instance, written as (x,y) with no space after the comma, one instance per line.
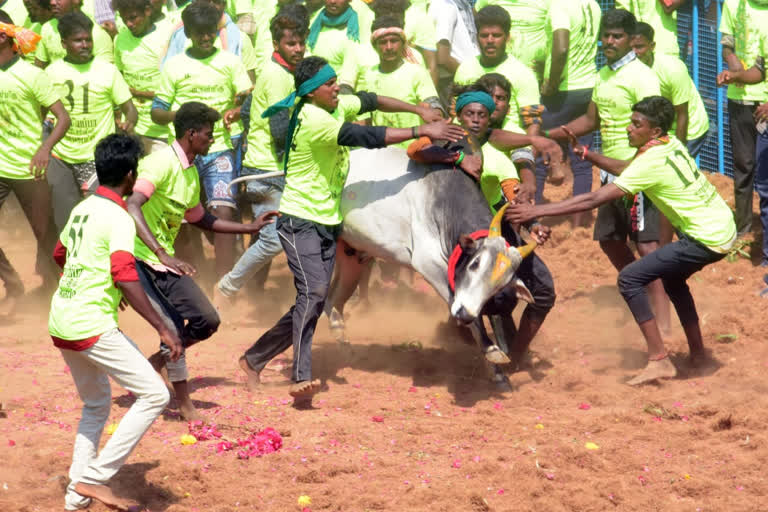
(407,420)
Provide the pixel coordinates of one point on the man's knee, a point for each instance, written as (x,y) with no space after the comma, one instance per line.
(159,397)
(205,324)
(628,284)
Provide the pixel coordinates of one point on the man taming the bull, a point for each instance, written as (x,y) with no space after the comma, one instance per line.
(666,173)
(500,183)
(316,165)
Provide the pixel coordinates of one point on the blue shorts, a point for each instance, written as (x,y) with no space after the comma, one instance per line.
(216,170)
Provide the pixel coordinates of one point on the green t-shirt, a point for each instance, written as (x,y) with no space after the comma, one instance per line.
(15,9)
(528,41)
(176,191)
(24,90)
(678,87)
(744,20)
(525,88)
(615,93)
(420,28)
(669,177)
(341,53)
(497,167)
(138,59)
(214,81)
(664,25)
(273,84)
(49,48)
(317,165)
(35,27)
(410,83)
(86,301)
(90,92)
(581,18)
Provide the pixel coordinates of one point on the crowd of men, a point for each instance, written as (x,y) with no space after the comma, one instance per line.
(150,109)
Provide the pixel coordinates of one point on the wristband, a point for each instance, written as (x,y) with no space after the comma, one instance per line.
(415,132)
(584,155)
(546,133)
(460,158)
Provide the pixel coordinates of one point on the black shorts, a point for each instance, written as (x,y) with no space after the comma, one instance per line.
(619,220)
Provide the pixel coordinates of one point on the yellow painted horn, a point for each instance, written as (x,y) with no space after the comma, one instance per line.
(527,249)
(495,229)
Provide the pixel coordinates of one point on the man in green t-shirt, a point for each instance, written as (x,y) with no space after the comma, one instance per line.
(138,51)
(50,48)
(25,93)
(663,169)
(493,26)
(529,43)
(741,26)
(621,83)
(569,76)
(316,164)
(265,146)
(167,192)
(691,125)
(396,74)
(92,90)
(98,271)
(215,77)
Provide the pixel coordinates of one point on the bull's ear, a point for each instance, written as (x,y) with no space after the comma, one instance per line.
(467,243)
(523,293)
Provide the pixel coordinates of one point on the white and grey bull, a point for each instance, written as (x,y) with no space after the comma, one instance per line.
(413,214)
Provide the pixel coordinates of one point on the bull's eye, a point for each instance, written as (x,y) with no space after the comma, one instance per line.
(474,265)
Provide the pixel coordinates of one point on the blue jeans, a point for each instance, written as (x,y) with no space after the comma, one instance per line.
(216,170)
(761,185)
(264,195)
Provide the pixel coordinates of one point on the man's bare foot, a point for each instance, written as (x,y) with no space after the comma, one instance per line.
(252,377)
(661,369)
(220,301)
(190,413)
(305,388)
(105,495)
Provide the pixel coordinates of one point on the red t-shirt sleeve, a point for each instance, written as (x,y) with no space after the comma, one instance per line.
(60,254)
(123,267)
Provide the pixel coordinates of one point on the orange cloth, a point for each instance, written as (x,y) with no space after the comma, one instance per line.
(416,146)
(24,39)
(508,188)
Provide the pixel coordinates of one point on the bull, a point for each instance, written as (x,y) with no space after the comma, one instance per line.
(413,214)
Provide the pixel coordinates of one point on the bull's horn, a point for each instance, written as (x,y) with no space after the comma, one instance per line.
(527,249)
(495,229)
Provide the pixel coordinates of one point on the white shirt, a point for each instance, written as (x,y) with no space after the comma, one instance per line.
(449,26)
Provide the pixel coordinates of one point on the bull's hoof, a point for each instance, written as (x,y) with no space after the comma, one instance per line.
(336,324)
(495,355)
(502,385)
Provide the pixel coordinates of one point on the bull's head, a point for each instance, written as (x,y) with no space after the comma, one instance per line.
(487,267)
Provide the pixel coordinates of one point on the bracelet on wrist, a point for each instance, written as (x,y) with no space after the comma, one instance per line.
(584,154)
(546,133)
(415,132)
(460,158)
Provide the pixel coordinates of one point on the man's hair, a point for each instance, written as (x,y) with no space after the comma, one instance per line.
(645,30)
(618,18)
(386,21)
(307,68)
(390,7)
(74,22)
(491,80)
(200,18)
(116,156)
(493,15)
(194,116)
(293,17)
(131,5)
(5,18)
(659,111)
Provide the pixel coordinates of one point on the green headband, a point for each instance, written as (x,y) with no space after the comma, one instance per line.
(480,97)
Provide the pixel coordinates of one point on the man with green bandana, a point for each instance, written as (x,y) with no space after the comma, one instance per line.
(662,168)
(316,164)
(499,182)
